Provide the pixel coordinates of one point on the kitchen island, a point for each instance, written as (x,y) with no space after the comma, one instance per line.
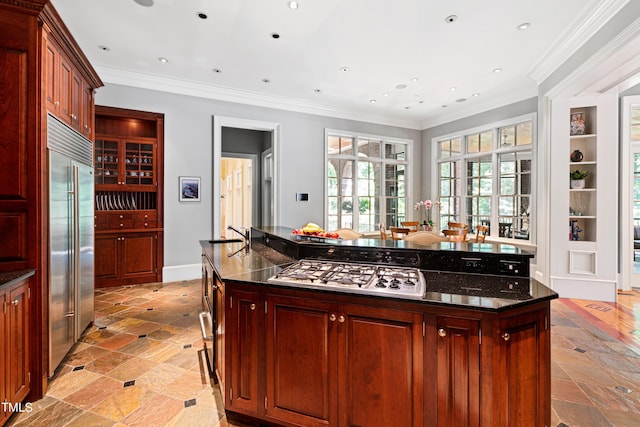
(473,349)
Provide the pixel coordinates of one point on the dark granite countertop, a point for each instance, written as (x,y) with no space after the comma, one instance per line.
(466,290)
(373,242)
(12,277)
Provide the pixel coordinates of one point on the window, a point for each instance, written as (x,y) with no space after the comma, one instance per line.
(493,166)
(366,181)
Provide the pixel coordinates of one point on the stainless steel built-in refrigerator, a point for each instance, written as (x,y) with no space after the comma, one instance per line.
(71,238)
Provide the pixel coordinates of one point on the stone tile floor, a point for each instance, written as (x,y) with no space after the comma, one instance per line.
(143,364)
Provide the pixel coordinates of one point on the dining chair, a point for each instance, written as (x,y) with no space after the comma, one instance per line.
(348,234)
(425,238)
(399,233)
(457,225)
(383,231)
(412,225)
(481,232)
(456,234)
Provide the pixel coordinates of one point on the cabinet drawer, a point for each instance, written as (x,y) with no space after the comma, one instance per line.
(145,224)
(145,216)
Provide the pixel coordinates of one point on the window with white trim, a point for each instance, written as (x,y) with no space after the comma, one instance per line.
(366,181)
(484,178)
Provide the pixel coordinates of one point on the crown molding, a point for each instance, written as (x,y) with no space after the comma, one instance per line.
(609,68)
(481,107)
(220,93)
(574,37)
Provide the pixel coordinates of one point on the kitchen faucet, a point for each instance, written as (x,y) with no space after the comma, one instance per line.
(246,235)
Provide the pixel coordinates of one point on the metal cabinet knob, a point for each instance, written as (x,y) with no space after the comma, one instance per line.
(506,336)
(252,306)
(332,317)
(16,302)
(442,332)
(121,216)
(341,319)
(56,103)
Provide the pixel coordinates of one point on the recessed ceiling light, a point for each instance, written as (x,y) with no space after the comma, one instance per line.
(202,15)
(475,94)
(444,105)
(105,48)
(217,70)
(421,102)
(317,90)
(275,35)
(407,107)
(450,19)
(265,80)
(373,101)
(145,3)
(524,26)
(401,86)
(415,79)
(344,69)
(461,99)
(385,94)
(453,88)
(293,5)
(497,70)
(163,60)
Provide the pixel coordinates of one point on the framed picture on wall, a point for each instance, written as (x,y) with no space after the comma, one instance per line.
(189,189)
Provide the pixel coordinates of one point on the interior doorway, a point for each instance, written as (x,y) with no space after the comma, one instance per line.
(239,195)
(630,193)
(264,155)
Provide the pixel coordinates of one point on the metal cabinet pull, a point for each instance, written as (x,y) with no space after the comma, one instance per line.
(442,332)
(202,315)
(252,306)
(506,336)
(341,319)
(332,317)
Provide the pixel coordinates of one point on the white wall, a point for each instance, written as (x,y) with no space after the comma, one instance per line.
(188,151)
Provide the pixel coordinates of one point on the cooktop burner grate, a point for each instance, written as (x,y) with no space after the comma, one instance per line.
(354,277)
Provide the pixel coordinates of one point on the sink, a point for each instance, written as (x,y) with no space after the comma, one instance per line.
(225,241)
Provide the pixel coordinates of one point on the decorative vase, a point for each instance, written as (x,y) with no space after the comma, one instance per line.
(577,184)
(577,156)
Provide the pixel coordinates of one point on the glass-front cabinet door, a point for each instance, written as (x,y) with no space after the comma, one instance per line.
(125,164)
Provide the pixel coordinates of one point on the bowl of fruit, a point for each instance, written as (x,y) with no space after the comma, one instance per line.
(311,229)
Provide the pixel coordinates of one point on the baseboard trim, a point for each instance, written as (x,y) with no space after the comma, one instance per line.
(176,273)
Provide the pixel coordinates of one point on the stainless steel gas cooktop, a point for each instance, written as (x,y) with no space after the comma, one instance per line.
(357,278)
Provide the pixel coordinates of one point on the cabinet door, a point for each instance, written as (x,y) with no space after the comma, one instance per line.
(458,372)
(107,253)
(51,76)
(524,376)
(65,74)
(75,102)
(219,328)
(301,360)
(86,111)
(18,340)
(380,367)
(4,324)
(139,254)
(243,352)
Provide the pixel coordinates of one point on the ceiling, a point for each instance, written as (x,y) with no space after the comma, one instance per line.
(420,69)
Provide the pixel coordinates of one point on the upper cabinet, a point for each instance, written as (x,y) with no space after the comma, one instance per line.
(583,197)
(67,93)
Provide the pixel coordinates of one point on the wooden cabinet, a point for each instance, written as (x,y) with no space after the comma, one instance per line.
(128,159)
(457,371)
(342,364)
(126,164)
(243,357)
(33,41)
(15,376)
(67,94)
(523,370)
(126,258)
